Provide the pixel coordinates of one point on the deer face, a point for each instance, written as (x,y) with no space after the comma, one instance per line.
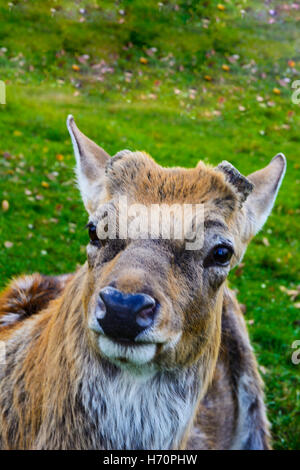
(153,301)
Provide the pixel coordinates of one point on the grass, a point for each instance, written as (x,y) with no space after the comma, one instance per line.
(151,76)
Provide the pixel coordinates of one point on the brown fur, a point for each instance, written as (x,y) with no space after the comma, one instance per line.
(53,385)
(28,295)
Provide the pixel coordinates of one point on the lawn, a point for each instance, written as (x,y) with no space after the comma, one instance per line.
(184,80)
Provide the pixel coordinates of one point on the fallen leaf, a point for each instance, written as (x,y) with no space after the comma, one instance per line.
(83,58)
(284,81)
(52,176)
(263,370)
(232,59)
(292,293)
(5,205)
(7,155)
(8,244)
(266,241)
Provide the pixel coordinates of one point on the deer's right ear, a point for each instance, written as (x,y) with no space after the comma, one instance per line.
(266,184)
(91,161)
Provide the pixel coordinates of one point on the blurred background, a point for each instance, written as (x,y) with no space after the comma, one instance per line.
(184,80)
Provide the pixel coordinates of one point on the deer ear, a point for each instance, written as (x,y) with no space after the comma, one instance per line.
(91,161)
(266,185)
(241,184)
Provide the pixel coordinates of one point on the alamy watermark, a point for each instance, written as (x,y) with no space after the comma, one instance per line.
(155,221)
(296,93)
(2,353)
(2,92)
(296,354)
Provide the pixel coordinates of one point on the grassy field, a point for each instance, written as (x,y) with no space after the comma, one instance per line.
(183,80)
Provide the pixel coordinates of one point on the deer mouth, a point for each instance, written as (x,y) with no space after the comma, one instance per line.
(124,351)
(130,343)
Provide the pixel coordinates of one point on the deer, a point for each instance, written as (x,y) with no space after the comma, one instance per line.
(145,346)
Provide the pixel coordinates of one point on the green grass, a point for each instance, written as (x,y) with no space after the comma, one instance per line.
(168,107)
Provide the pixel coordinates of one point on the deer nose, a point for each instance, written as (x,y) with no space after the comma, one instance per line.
(125,315)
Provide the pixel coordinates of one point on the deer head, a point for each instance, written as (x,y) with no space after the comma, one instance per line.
(149,302)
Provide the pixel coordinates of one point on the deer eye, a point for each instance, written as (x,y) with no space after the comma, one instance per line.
(94,240)
(222,254)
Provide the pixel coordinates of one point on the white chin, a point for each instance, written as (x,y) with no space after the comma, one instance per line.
(138,355)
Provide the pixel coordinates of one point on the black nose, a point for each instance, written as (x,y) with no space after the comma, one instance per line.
(126,315)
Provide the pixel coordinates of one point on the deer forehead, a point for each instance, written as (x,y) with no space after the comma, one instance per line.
(138,176)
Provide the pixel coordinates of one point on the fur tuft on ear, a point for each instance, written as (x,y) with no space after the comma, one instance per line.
(91,161)
(242,185)
(266,186)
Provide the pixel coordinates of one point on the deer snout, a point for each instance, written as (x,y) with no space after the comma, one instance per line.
(123,316)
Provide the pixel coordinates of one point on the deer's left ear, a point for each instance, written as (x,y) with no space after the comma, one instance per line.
(266,185)
(91,161)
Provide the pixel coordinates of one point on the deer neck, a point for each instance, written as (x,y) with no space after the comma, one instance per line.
(146,412)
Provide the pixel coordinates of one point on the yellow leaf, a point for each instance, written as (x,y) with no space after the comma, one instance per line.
(266,241)
(5,205)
